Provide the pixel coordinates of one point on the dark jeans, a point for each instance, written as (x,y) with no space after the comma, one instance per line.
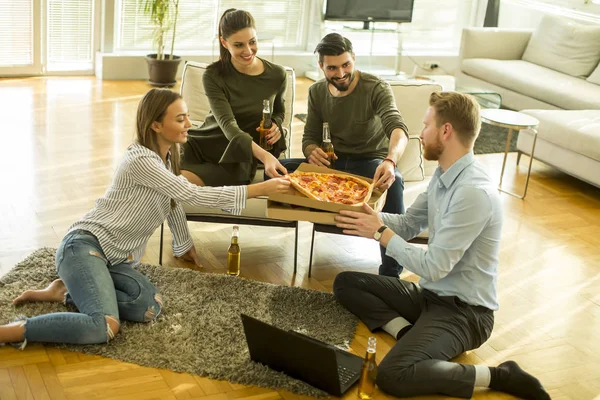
(443,327)
(394,202)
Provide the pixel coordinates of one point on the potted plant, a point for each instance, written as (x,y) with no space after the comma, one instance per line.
(162,68)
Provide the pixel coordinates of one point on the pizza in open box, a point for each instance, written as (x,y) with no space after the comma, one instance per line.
(333,188)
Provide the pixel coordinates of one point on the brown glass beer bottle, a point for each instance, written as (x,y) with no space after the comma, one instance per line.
(234,253)
(368,373)
(265,124)
(327,146)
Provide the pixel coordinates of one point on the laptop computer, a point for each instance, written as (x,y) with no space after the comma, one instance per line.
(317,363)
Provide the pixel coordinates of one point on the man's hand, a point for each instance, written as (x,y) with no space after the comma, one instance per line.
(385,175)
(273,135)
(272,166)
(358,223)
(191,256)
(319,157)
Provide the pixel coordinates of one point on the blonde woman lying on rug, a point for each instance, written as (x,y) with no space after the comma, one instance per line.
(94,260)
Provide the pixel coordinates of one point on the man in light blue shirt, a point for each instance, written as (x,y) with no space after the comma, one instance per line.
(452,309)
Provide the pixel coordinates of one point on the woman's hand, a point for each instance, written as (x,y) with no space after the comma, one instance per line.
(273,135)
(272,166)
(271,186)
(191,256)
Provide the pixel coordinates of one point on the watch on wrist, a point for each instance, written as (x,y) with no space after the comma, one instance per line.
(377,235)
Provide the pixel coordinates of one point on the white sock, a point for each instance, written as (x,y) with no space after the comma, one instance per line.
(395,326)
(482,375)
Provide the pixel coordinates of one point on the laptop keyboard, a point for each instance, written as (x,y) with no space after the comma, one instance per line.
(346,375)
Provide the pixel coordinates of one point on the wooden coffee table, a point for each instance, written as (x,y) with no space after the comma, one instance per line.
(512,120)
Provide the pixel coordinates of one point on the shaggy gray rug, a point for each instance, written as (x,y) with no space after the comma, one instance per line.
(199,330)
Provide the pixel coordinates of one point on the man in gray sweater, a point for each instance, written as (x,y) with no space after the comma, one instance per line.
(367,130)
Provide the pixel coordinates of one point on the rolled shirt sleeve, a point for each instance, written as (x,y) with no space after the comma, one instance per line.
(182,240)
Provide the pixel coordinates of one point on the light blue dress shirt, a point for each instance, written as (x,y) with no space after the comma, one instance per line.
(462,210)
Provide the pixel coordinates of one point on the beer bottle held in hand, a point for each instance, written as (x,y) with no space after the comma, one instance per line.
(234,253)
(327,146)
(368,373)
(265,124)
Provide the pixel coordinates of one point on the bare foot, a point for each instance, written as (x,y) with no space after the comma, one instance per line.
(54,292)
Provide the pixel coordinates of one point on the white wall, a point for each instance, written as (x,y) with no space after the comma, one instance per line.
(527,14)
(113,66)
(122,67)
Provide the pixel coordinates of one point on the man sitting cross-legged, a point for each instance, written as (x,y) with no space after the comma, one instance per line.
(452,309)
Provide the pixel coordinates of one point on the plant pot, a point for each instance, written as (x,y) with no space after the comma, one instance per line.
(162,72)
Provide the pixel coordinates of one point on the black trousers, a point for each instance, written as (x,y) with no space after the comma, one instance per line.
(443,328)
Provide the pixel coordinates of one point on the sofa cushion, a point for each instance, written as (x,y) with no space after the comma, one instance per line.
(538,82)
(575,130)
(412,99)
(411,163)
(564,45)
(595,76)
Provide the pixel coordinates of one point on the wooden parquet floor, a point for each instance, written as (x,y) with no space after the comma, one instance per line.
(63,137)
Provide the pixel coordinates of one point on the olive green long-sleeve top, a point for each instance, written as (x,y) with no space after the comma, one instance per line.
(236,103)
(360,123)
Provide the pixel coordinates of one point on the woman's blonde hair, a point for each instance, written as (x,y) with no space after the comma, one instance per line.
(461,111)
(153,107)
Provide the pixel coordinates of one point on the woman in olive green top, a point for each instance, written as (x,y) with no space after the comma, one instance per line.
(225,150)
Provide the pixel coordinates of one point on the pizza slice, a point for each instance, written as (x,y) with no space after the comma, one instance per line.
(332,187)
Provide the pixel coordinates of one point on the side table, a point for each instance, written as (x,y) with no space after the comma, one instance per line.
(512,120)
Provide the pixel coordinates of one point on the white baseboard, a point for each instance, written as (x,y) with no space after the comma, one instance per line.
(112,66)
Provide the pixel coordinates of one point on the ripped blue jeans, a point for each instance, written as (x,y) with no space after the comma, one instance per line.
(98,290)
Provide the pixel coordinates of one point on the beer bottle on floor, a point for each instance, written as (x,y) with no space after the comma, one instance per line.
(234,253)
(327,146)
(368,373)
(265,124)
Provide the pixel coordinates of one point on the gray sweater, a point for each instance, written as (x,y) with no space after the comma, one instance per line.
(360,123)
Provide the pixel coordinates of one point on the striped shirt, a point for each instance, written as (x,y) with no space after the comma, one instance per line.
(139,200)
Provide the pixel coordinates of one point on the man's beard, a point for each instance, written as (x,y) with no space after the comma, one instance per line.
(432,152)
(342,87)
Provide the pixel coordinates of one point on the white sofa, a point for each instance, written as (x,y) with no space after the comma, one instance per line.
(553,67)
(568,140)
(553,74)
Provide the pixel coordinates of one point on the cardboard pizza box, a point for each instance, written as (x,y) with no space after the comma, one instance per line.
(285,206)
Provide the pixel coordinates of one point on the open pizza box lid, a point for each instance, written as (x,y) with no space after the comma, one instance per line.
(376,201)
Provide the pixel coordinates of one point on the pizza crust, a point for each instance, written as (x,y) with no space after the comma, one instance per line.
(297,176)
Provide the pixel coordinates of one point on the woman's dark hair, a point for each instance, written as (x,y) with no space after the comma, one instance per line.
(231,21)
(333,44)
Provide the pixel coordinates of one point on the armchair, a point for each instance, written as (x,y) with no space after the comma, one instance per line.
(193,94)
